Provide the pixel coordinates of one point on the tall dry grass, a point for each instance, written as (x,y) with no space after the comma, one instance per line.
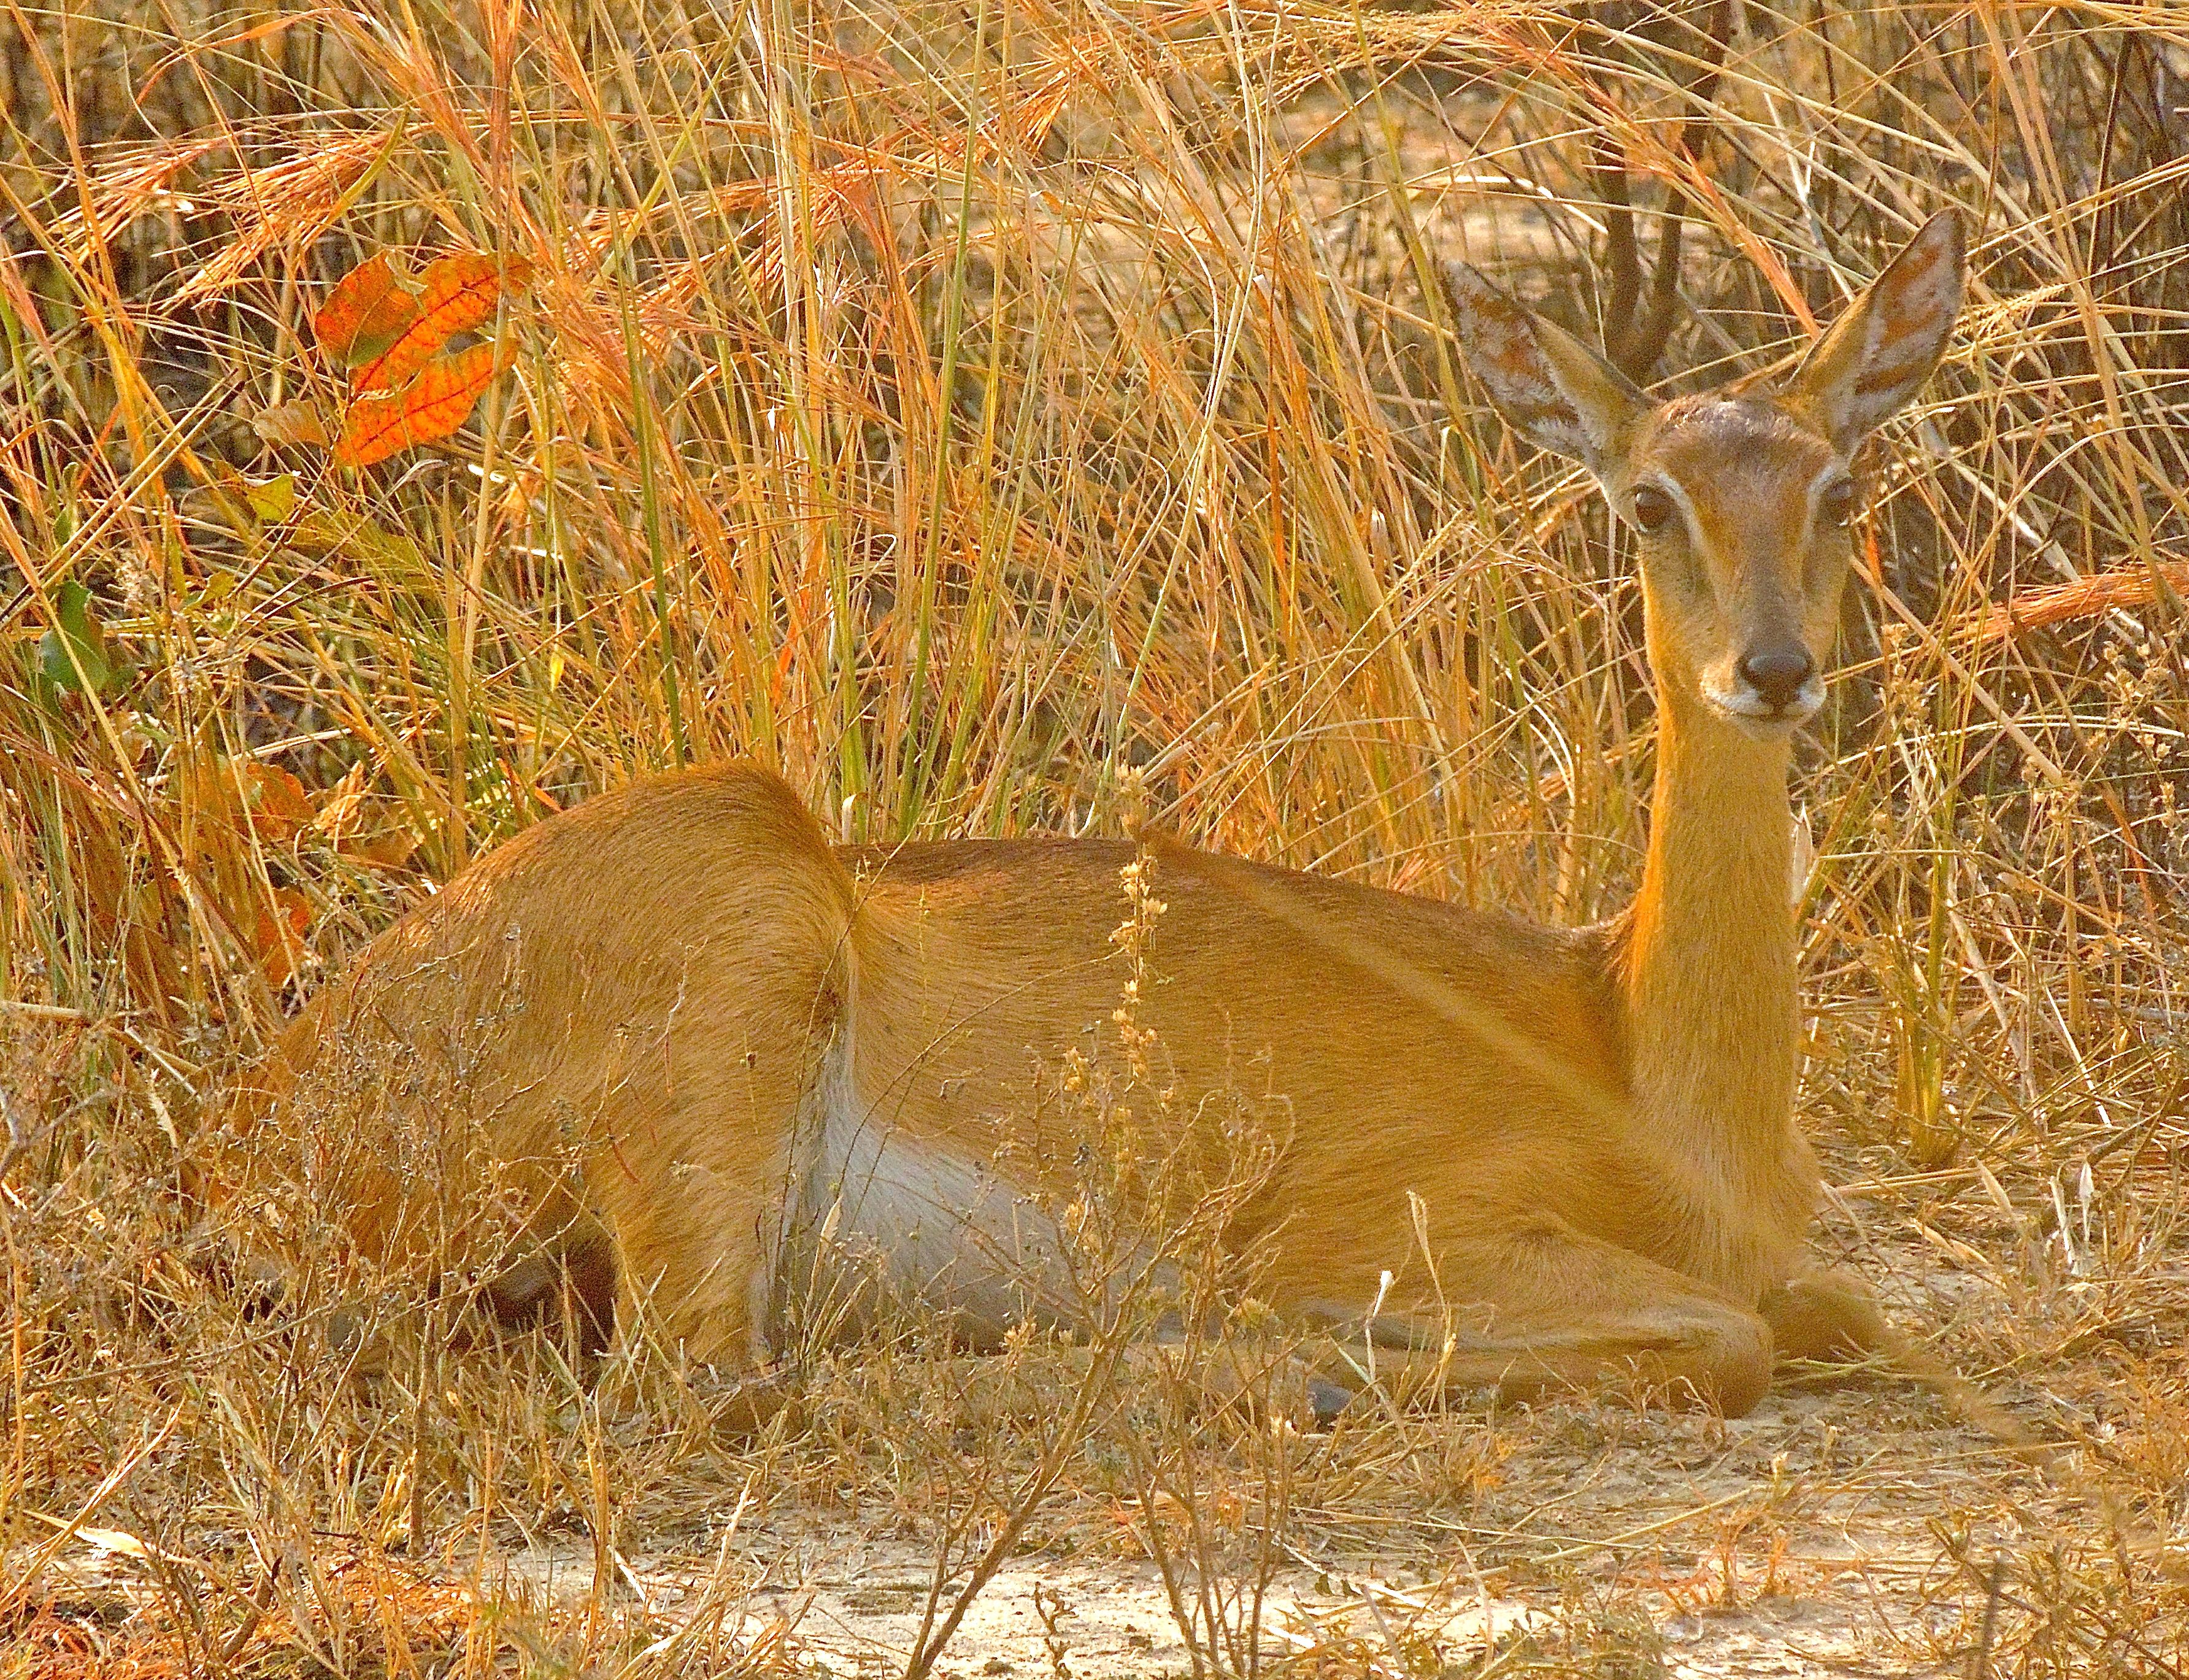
(956,408)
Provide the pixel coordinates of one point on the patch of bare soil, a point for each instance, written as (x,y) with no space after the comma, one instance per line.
(1801,1540)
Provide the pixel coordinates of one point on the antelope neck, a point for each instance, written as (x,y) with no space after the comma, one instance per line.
(1707,975)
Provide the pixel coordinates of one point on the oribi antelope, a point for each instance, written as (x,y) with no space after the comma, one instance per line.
(725,1030)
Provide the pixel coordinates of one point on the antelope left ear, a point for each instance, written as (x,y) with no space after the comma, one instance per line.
(1877,355)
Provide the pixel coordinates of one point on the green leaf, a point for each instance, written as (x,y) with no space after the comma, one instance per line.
(273,501)
(72,654)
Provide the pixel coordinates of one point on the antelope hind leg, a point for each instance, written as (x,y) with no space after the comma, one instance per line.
(1559,1312)
(1690,1352)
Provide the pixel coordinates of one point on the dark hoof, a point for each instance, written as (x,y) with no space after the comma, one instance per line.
(1327,1399)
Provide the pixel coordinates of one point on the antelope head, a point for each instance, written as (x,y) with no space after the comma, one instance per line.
(1741,499)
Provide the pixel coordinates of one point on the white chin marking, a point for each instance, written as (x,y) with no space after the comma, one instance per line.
(1751,709)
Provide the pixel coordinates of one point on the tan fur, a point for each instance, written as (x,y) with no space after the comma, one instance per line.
(684,1019)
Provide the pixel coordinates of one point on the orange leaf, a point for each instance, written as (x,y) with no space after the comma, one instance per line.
(278,935)
(432,405)
(365,313)
(279,806)
(455,295)
(390,849)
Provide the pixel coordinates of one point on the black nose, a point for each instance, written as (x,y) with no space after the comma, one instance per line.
(1778,674)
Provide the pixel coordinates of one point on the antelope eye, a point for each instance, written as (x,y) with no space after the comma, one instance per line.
(1836,506)
(1652,508)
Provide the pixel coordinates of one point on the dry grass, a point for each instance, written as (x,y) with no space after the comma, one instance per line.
(955,407)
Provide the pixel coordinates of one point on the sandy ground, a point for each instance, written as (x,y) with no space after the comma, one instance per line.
(1794,1542)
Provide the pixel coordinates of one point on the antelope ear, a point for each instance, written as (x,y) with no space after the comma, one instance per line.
(1552,388)
(1877,355)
